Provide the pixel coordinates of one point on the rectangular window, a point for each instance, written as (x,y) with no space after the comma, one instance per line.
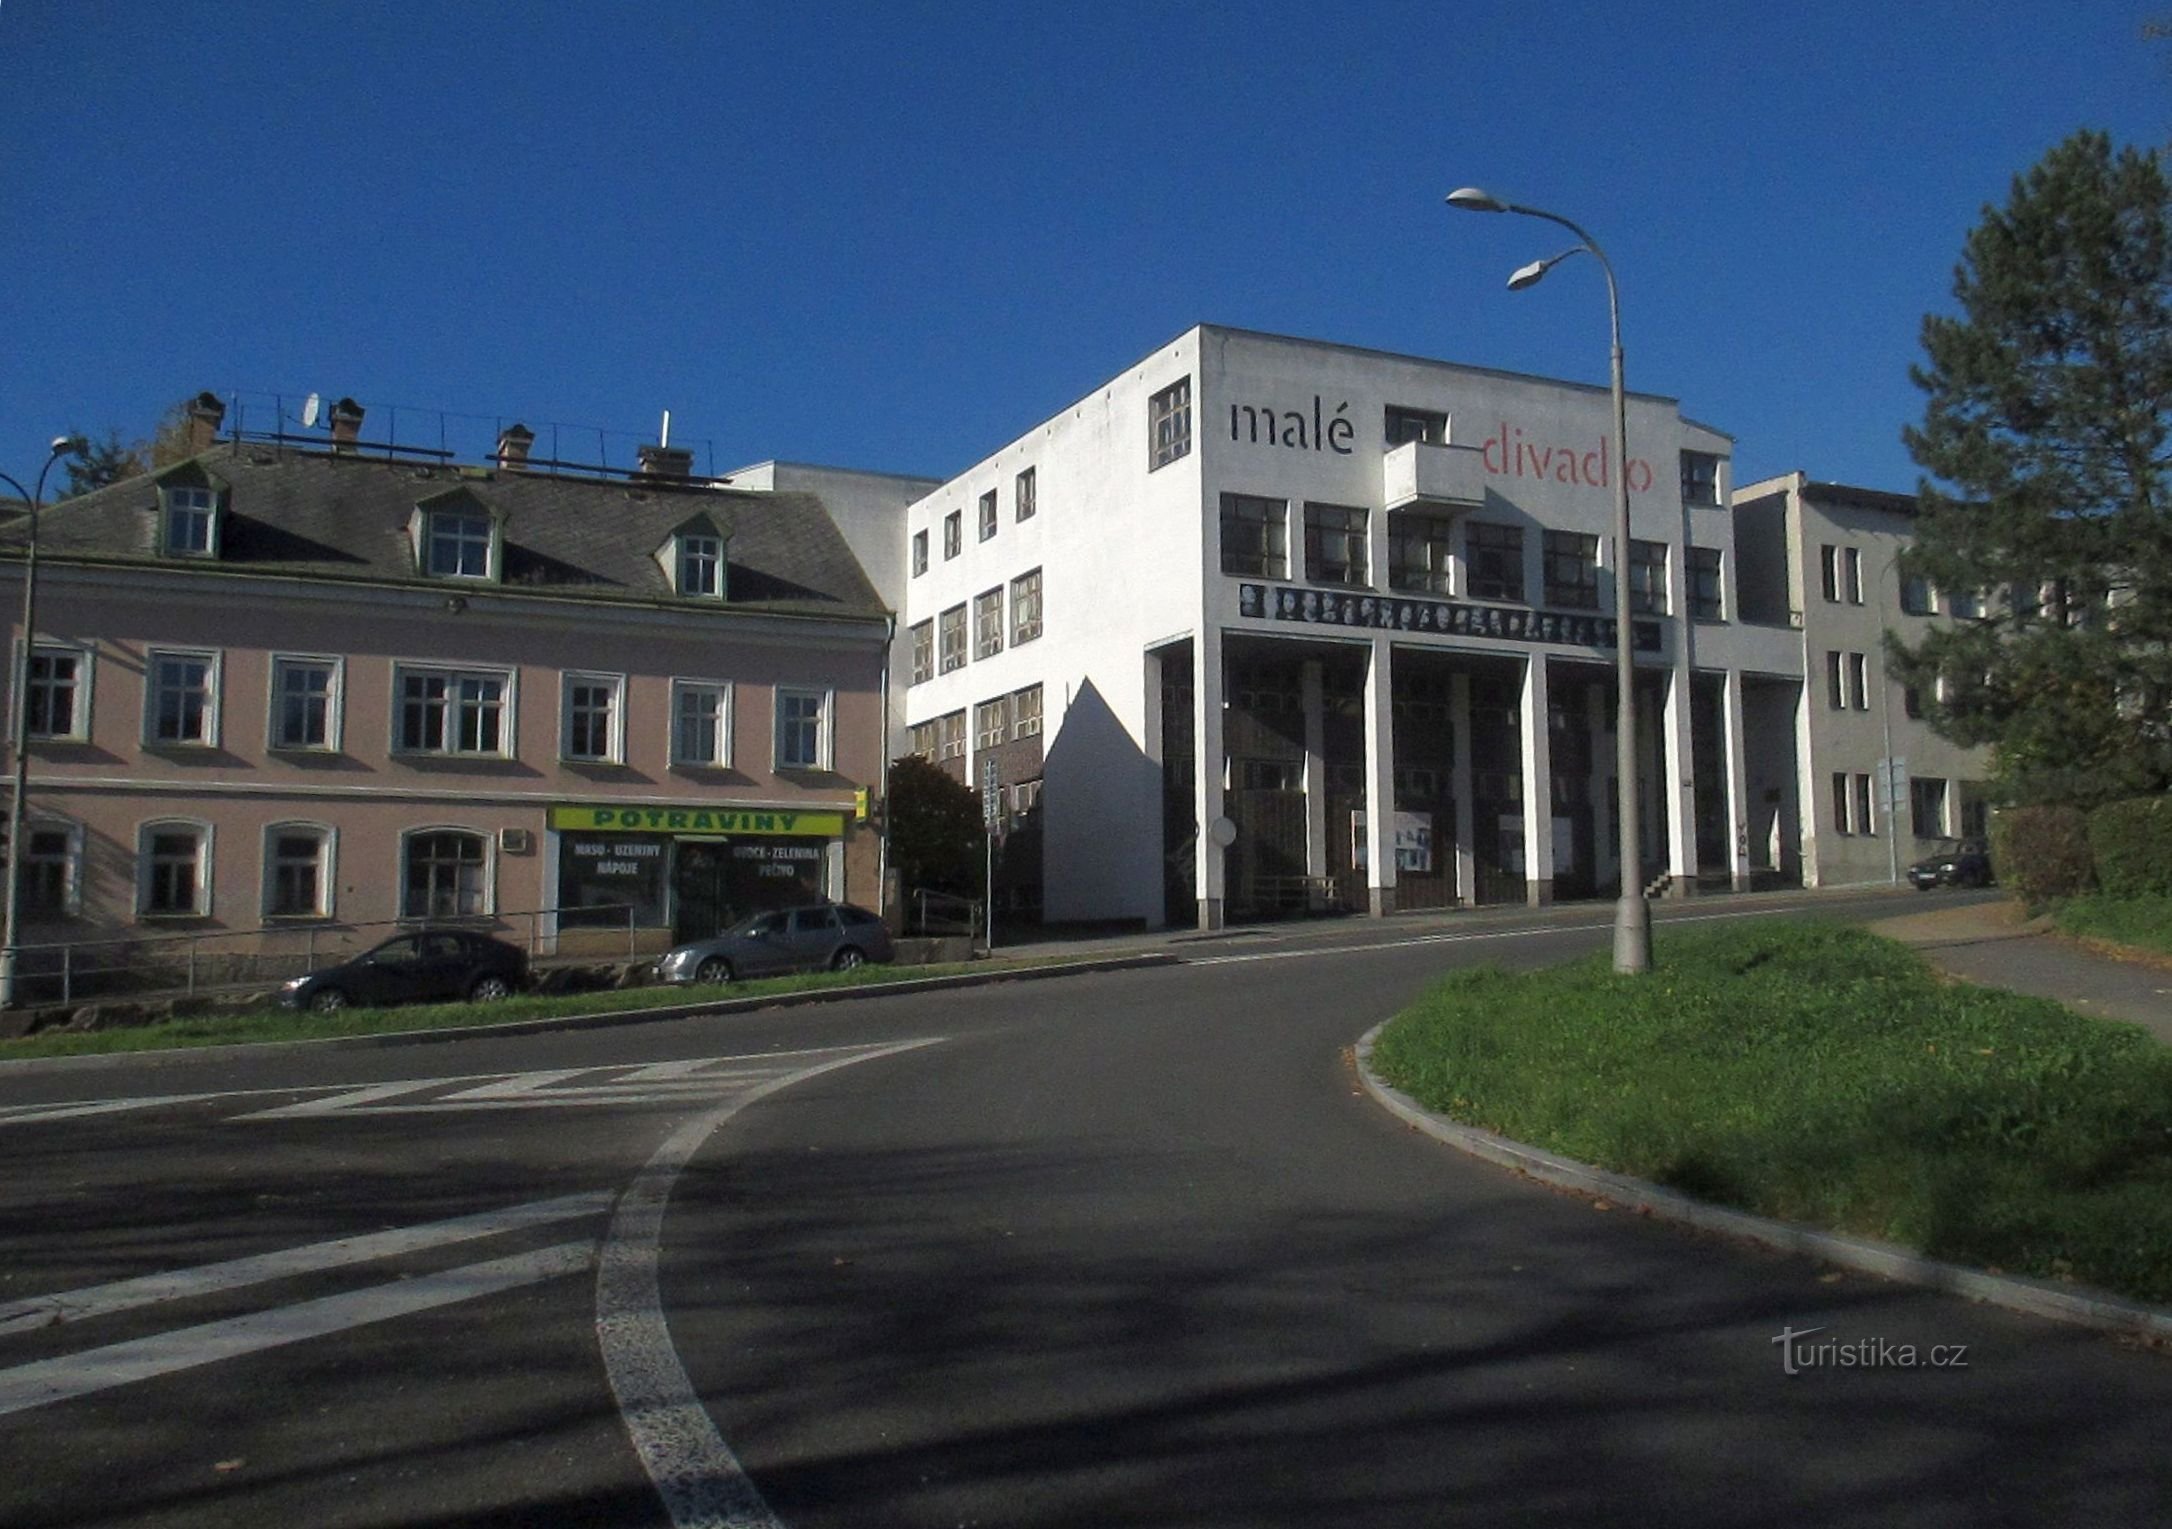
(174,879)
(953,534)
(988,517)
(950,735)
(992,723)
(920,553)
(1967,605)
(701,566)
(923,634)
(1859,680)
(296,873)
(1927,807)
(447,711)
(950,628)
(1915,595)
(1421,553)
(56,693)
(447,875)
(1843,803)
(1423,425)
(803,729)
(1025,607)
(48,872)
(1255,536)
(1700,478)
(1912,703)
(925,739)
(183,698)
(1572,569)
(1647,577)
(1865,823)
(305,703)
(1493,559)
(1829,570)
(701,713)
(1854,556)
(458,546)
(1705,603)
(988,623)
(188,522)
(1836,682)
(1169,424)
(1024,499)
(1026,712)
(1335,544)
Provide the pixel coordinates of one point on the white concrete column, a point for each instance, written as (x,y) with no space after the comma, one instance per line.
(1813,799)
(1207,786)
(1315,768)
(1679,780)
(1538,786)
(1737,777)
(1459,785)
(1380,778)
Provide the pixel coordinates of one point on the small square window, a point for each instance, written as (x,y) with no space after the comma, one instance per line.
(1169,424)
(1335,544)
(1494,555)
(1421,425)
(458,545)
(1572,570)
(189,513)
(701,566)
(1700,478)
(1255,536)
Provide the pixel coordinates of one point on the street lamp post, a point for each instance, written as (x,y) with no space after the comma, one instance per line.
(1632,914)
(19,695)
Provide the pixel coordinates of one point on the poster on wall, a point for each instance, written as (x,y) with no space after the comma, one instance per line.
(1413,842)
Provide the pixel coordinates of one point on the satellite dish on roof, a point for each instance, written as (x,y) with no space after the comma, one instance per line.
(311,407)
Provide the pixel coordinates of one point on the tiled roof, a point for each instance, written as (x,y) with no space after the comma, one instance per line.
(321,516)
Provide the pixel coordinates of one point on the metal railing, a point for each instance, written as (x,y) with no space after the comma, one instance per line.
(944,913)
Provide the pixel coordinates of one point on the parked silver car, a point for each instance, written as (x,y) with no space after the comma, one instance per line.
(820,937)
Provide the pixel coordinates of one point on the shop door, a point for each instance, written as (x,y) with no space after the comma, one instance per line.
(700,903)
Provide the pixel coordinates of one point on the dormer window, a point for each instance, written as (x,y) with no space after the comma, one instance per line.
(189,528)
(701,566)
(456,545)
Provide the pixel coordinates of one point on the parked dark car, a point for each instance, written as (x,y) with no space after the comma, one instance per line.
(1955,863)
(819,937)
(428,966)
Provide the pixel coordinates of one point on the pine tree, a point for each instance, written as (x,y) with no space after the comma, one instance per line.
(2045,437)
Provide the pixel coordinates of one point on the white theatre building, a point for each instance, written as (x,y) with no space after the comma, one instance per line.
(1267,624)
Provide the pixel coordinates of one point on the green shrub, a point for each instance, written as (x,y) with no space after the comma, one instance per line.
(2041,854)
(2131,843)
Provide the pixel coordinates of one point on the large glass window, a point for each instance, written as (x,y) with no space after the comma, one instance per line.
(305,703)
(950,735)
(701,723)
(992,723)
(1335,544)
(1169,424)
(1026,607)
(1572,569)
(950,628)
(1255,536)
(447,874)
(183,698)
(923,636)
(1026,712)
(1421,553)
(1494,557)
(988,623)
(457,545)
(445,711)
(1648,577)
(56,694)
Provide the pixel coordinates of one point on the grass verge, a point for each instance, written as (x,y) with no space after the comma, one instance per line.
(2142,922)
(276,1024)
(1820,1074)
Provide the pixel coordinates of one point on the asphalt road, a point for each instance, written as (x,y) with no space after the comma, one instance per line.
(1112,1250)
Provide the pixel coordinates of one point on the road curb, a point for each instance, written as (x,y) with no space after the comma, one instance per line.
(2039,1298)
(166,1056)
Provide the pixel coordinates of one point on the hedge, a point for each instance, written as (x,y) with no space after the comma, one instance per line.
(2131,843)
(2042,853)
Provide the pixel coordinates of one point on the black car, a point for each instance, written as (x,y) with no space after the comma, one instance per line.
(1955,863)
(428,966)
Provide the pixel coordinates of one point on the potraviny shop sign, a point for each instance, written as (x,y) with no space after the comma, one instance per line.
(697,820)
(1512,623)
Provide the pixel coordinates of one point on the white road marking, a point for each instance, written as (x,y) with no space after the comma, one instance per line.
(36,1114)
(235,1273)
(348,1099)
(700,1479)
(120,1364)
(1456,939)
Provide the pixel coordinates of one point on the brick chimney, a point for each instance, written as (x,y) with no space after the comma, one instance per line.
(205,415)
(513,443)
(346,426)
(664,462)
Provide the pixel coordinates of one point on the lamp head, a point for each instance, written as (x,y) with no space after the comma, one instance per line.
(1528,275)
(1471,199)
(70,446)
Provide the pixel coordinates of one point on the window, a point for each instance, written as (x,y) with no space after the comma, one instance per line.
(182,704)
(1700,478)
(1421,552)
(591,716)
(1967,605)
(1859,679)
(305,703)
(49,870)
(1915,595)
(924,739)
(1836,683)
(920,553)
(1829,558)
(1572,569)
(1406,425)
(1851,804)
(189,513)
(951,629)
(1169,424)
(1025,607)
(457,545)
(1704,584)
(1927,807)
(1864,822)
(701,566)
(447,711)
(447,874)
(701,723)
(1854,562)
(1493,555)
(1255,536)
(297,874)
(1335,544)
(1912,703)
(1026,712)
(950,735)
(176,865)
(1024,500)
(953,534)
(803,729)
(923,652)
(59,693)
(988,623)
(992,723)
(1647,577)
(988,517)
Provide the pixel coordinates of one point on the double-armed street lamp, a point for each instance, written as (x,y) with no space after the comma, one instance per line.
(19,696)
(1632,914)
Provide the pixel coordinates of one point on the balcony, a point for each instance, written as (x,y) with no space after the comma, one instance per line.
(1417,476)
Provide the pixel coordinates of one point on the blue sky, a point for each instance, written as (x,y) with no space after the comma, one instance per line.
(895,236)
